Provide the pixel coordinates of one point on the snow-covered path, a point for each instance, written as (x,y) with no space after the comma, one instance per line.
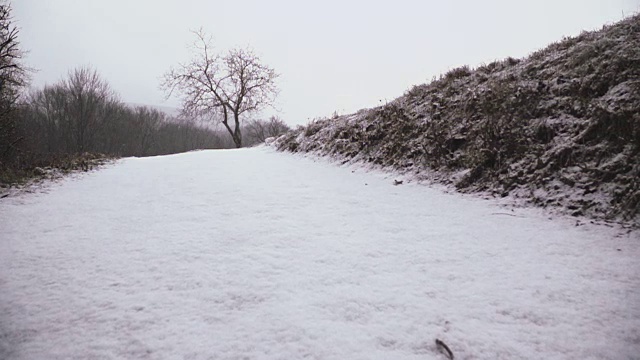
(253,254)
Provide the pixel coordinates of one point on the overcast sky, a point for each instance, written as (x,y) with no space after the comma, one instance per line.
(333,55)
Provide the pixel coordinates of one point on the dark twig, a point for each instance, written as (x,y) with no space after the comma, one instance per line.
(444,349)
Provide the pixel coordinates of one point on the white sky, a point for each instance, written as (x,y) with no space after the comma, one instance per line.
(332,55)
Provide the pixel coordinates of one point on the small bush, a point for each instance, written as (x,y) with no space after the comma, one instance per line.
(457,73)
(543,133)
(416,92)
(313,127)
(512,61)
(491,67)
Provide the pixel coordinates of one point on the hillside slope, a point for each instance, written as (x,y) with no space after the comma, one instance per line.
(560,128)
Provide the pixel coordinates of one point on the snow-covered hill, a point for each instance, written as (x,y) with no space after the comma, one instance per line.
(560,128)
(257,254)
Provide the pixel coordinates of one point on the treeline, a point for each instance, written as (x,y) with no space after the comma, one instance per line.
(81,117)
(82,114)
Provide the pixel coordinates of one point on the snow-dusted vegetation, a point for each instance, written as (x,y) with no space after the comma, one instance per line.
(560,128)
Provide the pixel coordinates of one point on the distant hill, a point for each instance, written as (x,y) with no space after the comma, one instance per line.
(560,128)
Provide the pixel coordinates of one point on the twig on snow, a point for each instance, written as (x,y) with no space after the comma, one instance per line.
(444,349)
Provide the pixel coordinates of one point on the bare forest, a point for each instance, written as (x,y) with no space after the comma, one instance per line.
(81,121)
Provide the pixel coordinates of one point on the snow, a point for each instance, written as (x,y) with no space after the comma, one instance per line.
(255,254)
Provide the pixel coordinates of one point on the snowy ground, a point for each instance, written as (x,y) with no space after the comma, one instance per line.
(253,254)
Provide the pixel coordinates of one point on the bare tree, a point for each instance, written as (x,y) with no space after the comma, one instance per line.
(13,77)
(259,130)
(276,127)
(47,109)
(256,132)
(87,108)
(13,74)
(148,121)
(222,86)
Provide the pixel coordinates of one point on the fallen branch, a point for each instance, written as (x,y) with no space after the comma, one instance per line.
(443,348)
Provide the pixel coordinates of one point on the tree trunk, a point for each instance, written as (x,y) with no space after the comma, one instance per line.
(237,134)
